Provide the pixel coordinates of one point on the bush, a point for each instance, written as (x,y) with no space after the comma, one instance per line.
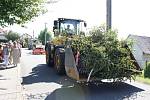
(103,53)
(147,70)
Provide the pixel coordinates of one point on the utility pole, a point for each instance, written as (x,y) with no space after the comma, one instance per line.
(45,32)
(108,16)
(33,34)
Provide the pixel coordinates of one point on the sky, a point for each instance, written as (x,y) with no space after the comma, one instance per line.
(128,16)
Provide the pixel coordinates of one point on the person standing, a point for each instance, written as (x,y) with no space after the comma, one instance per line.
(6,54)
(1,54)
(16,54)
(10,52)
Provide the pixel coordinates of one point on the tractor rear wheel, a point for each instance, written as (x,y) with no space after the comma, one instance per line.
(48,58)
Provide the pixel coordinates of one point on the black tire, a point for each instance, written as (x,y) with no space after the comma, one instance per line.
(49,60)
(59,62)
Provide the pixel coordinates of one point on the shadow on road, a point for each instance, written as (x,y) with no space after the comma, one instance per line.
(93,92)
(3,89)
(1,78)
(42,73)
(2,67)
(73,91)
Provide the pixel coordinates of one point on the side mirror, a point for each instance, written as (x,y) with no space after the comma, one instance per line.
(55,30)
(85,24)
(55,23)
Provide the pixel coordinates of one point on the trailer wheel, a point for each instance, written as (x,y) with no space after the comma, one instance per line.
(59,62)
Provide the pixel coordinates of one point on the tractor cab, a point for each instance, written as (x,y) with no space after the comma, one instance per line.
(67,27)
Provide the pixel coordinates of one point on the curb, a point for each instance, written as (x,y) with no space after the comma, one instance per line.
(13,88)
(19,86)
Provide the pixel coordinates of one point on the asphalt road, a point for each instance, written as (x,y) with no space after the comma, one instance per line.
(40,82)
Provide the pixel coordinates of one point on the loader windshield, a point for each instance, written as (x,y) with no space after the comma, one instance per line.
(71,27)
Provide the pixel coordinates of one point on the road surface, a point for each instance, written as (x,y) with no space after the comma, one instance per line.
(40,82)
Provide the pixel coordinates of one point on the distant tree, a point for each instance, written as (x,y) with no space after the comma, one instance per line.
(12,36)
(41,36)
(19,11)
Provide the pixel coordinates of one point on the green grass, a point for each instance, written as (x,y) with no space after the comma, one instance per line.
(145,72)
(142,79)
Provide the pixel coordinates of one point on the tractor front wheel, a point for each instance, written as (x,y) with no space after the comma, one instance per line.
(59,62)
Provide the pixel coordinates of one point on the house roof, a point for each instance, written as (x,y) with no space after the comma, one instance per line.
(142,41)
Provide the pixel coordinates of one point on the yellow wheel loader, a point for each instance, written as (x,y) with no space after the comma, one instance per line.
(59,53)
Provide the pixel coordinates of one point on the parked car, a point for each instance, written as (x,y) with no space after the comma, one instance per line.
(38,50)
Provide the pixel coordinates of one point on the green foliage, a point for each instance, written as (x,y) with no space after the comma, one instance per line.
(26,42)
(12,36)
(143,80)
(41,36)
(19,11)
(147,70)
(104,53)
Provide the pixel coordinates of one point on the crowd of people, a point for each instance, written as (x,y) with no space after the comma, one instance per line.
(10,53)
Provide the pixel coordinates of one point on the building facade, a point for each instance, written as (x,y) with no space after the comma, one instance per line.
(140,49)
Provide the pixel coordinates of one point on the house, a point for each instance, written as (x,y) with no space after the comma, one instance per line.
(140,49)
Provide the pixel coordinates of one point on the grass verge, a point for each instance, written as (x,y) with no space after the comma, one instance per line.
(143,80)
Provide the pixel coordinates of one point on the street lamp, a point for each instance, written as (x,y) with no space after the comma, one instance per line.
(33,34)
(45,33)
(49,2)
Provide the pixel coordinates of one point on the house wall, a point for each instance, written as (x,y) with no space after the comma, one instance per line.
(147,57)
(138,54)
